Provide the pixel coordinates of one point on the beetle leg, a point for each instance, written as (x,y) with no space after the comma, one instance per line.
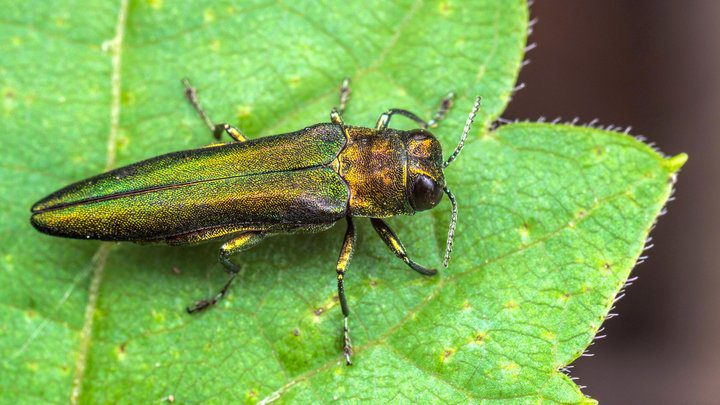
(216,129)
(445,105)
(232,132)
(392,242)
(344,95)
(243,242)
(342,264)
(335,117)
(384,119)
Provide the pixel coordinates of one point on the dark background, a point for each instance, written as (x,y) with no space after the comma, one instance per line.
(654,65)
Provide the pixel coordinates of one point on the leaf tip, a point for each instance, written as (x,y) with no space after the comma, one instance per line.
(676,162)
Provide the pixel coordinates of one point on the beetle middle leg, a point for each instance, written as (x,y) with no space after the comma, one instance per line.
(243,242)
(337,112)
(216,129)
(344,95)
(392,242)
(443,108)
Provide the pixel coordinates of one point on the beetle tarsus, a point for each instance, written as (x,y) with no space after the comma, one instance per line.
(216,129)
(347,345)
(191,95)
(199,306)
(445,105)
(344,95)
(420,269)
(202,305)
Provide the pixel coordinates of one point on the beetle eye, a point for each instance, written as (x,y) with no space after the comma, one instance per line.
(425,193)
(420,135)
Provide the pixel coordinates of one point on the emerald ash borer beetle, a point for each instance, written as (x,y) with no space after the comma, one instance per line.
(245,190)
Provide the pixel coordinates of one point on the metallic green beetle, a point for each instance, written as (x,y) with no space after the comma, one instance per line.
(248,190)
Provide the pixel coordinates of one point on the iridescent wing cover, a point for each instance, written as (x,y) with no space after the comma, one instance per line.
(272,182)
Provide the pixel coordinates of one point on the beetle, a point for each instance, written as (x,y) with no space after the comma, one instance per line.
(245,191)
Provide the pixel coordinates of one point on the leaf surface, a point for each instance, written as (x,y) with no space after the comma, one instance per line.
(552,217)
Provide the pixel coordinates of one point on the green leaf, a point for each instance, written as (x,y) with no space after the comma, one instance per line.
(552,217)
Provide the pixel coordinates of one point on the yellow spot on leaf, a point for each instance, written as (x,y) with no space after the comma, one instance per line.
(208,15)
(156,4)
(243,111)
(16,41)
(510,369)
(120,352)
(252,395)
(215,45)
(524,232)
(294,81)
(511,305)
(606,268)
(128,97)
(158,317)
(445,8)
(447,354)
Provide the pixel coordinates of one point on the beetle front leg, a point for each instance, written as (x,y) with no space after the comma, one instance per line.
(445,105)
(243,242)
(392,242)
(345,254)
(216,129)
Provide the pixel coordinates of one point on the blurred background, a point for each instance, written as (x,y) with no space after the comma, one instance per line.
(654,65)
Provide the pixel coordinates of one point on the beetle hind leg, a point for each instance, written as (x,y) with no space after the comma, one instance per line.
(343,260)
(243,242)
(216,129)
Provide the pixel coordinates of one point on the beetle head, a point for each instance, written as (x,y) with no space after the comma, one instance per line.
(425,180)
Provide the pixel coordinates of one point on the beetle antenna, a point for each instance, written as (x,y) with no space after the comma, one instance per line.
(451,231)
(468,123)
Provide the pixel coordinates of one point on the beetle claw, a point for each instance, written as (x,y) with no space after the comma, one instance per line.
(347,345)
(199,306)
